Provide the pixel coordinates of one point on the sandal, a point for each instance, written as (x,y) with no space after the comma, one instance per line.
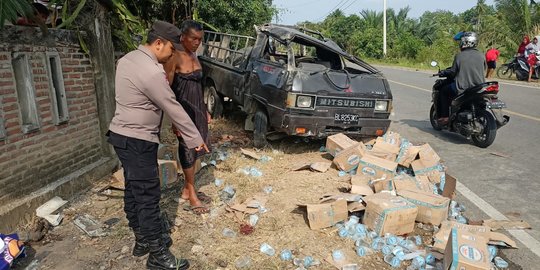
(202,197)
(197,210)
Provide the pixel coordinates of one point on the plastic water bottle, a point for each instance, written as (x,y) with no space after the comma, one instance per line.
(322,149)
(377,243)
(343,232)
(500,262)
(342,173)
(253,219)
(267,249)
(418,240)
(461,219)
(363,251)
(352,266)
(430,259)
(398,252)
(218,182)
(338,255)
(243,262)
(268,189)
(372,235)
(308,261)
(286,255)
(262,210)
(492,250)
(265,159)
(392,260)
(213,162)
(229,190)
(391,239)
(408,245)
(255,172)
(386,249)
(228,233)
(417,263)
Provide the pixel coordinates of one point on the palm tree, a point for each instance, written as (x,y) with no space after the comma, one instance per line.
(10,10)
(372,18)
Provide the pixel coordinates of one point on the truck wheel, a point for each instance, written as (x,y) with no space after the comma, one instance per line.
(214,103)
(260,129)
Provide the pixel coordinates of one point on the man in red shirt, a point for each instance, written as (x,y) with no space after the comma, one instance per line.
(491,58)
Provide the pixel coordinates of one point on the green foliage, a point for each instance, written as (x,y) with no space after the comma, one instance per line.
(236,16)
(10,10)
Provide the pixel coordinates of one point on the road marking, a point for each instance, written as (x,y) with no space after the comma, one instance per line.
(525,238)
(506,111)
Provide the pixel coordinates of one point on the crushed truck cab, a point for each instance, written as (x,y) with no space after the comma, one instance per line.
(294,81)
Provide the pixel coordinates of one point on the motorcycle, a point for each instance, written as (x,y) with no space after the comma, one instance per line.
(475,113)
(522,71)
(506,70)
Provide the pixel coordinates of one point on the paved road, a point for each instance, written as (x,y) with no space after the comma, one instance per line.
(493,186)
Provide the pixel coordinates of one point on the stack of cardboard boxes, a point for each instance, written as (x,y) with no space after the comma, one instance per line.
(402,184)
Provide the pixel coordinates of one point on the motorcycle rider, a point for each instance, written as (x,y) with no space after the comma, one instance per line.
(467,70)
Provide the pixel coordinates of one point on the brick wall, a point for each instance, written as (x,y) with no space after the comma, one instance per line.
(33,160)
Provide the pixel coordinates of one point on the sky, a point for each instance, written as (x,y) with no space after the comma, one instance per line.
(316,10)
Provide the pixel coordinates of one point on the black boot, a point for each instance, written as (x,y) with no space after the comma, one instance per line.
(141,246)
(162,259)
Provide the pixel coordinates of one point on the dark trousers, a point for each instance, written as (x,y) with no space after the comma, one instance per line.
(142,187)
(446,94)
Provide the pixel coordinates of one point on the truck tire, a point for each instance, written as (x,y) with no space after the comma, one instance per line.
(260,120)
(213,101)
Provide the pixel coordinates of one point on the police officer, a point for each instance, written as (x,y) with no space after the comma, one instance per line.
(142,92)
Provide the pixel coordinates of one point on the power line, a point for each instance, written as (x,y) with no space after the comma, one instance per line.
(345,8)
(303,4)
(340,4)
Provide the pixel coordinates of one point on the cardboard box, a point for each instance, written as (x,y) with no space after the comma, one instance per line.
(386,213)
(383,146)
(377,168)
(432,208)
(466,250)
(407,153)
(407,182)
(338,142)
(360,184)
(348,159)
(392,138)
(440,239)
(168,172)
(428,156)
(326,214)
(435,173)
(383,185)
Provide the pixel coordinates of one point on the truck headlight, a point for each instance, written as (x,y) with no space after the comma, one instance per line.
(381,105)
(304,101)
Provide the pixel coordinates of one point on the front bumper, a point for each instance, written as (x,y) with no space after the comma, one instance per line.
(316,126)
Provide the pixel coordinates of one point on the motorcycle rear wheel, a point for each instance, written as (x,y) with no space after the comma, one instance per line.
(433,118)
(489,129)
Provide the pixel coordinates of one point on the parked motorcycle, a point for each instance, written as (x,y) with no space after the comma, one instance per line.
(522,71)
(506,70)
(475,113)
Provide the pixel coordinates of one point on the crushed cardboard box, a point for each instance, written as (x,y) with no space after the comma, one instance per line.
(432,208)
(338,142)
(349,158)
(250,154)
(499,239)
(407,154)
(440,239)
(326,214)
(466,250)
(321,166)
(407,182)
(386,213)
(360,184)
(392,138)
(385,150)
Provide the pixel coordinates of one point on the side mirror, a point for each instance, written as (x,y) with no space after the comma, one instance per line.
(434,63)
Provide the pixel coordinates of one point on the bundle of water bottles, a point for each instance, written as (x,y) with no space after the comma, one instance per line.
(395,249)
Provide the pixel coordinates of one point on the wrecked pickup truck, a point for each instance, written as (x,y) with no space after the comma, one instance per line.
(294,81)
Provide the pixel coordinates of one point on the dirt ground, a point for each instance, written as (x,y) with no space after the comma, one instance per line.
(200,238)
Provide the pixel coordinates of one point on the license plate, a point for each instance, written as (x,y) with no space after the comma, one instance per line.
(346,118)
(496,104)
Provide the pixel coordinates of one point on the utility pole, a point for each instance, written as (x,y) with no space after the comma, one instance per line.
(384,28)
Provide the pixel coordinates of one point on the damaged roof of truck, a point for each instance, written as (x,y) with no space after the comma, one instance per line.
(288,33)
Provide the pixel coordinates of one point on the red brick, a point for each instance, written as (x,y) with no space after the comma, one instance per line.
(75,75)
(6,83)
(6,75)
(9,116)
(69,82)
(8,100)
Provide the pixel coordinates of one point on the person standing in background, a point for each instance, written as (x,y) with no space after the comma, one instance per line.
(492,55)
(524,43)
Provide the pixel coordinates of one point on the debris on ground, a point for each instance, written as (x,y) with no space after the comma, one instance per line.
(47,209)
(89,225)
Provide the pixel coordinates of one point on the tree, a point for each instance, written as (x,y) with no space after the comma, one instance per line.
(10,10)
